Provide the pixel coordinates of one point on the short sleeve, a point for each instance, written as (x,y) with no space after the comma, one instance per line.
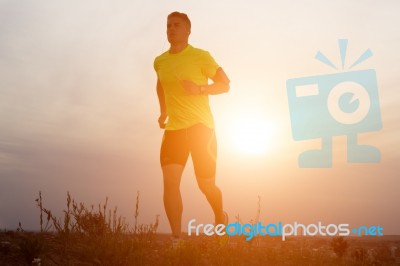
(155,65)
(209,67)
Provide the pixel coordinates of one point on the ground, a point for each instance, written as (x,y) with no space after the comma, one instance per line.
(144,248)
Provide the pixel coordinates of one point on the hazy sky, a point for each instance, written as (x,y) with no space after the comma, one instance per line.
(78,107)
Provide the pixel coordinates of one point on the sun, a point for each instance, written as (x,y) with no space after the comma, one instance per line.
(252,134)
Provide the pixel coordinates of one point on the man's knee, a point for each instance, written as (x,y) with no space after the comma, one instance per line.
(171,185)
(206,185)
(172,176)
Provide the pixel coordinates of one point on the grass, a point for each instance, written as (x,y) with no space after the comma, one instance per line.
(99,236)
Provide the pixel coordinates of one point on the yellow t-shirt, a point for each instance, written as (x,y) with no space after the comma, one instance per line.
(193,64)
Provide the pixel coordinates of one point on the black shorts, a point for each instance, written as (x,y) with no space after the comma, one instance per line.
(197,140)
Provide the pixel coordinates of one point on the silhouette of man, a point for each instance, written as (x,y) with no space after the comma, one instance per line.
(182,88)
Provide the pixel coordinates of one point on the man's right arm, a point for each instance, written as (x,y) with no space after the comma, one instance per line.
(163,108)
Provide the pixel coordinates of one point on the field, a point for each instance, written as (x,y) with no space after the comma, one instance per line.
(98,236)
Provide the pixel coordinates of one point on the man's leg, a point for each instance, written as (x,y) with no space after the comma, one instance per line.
(173,156)
(204,156)
(214,197)
(172,174)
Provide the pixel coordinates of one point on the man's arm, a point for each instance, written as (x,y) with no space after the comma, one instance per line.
(220,85)
(163,108)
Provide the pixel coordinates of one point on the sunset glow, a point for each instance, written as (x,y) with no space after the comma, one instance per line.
(252,134)
(79,109)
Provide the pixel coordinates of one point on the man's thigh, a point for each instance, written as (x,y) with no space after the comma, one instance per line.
(203,147)
(174,147)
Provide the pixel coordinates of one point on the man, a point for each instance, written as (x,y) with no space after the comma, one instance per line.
(182,88)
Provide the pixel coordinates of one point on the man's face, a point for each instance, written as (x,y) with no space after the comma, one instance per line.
(177,30)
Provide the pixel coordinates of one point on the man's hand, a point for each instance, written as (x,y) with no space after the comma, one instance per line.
(220,85)
(190,87)
(161,120)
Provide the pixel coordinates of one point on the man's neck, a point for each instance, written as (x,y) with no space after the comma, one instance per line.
(177,48)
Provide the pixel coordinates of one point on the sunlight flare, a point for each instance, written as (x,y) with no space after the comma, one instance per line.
(252,134)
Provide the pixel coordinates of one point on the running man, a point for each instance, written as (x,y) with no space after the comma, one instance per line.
(182,89)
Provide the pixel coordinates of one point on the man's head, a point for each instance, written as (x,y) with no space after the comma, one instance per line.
(178,27)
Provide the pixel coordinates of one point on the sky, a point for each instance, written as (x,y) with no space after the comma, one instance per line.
(79,110)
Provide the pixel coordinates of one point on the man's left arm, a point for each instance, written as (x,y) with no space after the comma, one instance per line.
(220,85)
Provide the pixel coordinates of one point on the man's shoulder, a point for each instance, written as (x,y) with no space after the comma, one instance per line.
(159,59)
(164,54)
(199,51)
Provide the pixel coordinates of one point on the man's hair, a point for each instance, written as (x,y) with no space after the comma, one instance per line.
(182,16)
